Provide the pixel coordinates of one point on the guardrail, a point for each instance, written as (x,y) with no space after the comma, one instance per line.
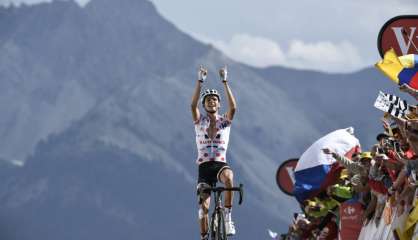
(383,231)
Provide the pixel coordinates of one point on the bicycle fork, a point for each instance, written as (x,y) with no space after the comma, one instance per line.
(218,210)
(216,216)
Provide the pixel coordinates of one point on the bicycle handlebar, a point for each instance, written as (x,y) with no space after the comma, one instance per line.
(233,189)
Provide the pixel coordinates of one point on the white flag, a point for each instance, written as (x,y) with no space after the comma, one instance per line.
(392,104)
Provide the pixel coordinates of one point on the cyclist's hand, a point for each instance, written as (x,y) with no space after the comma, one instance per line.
(202,74)
(223,74)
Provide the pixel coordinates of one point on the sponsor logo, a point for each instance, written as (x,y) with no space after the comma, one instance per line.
(405,38)
(350,218)
(212,141)
(349,210)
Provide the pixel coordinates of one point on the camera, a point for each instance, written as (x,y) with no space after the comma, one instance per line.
(397,146)
(380,150)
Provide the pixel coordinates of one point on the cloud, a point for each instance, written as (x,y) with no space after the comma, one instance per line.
(7,3)
(323,56)
(255,51)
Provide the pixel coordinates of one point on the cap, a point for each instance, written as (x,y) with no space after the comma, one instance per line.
(366,155)
(344,174)
(381,135)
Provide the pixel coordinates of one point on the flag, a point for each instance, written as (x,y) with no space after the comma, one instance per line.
(272,234)
(315,170)
(401,70)
(393,105)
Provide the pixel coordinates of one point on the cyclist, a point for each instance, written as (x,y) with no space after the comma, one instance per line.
(212,136)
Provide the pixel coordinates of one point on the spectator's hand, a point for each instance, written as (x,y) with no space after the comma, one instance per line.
(315,232)
(202,74)
(412,179)
(411,128)
(364,219)
(398,156)
(412,124)
(415,109)
(327,151)
(391,190)
(392,201)
(329,190)
(405,88)
(385,122)
(398,200)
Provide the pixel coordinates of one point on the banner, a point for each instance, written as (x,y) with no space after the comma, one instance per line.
(399,33)
(285,176)
(350,220)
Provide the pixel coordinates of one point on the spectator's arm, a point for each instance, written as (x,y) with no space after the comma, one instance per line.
(400,179)
(401,124)
(400,158)
(343,160)
(406,88)
(370,208)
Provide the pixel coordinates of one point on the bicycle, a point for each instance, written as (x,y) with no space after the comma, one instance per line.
(217,221)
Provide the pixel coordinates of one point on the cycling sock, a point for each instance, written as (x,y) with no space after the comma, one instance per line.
(228,213)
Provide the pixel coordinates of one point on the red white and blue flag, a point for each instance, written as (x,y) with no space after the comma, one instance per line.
(315,170)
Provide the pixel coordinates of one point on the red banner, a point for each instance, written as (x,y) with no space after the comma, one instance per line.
(350,220)
(401,34)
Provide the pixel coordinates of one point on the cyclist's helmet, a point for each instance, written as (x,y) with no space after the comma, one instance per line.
(209,92)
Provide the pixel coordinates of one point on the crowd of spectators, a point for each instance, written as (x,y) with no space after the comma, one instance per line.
(382,179)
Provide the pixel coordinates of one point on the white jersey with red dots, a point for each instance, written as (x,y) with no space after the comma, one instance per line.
(212,149)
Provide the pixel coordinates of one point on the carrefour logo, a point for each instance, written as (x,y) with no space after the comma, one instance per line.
(349,210)
(399,33)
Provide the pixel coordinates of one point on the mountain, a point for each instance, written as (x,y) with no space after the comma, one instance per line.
(95,101)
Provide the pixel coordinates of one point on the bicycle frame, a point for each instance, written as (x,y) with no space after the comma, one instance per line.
(219,210)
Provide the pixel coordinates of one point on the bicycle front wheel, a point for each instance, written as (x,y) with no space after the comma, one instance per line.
(221,232)
(213,226)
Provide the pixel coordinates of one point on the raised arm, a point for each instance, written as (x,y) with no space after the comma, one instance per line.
(347,163)
(232,105)
(399,157)
(406,88)
(202,73)
(401,124)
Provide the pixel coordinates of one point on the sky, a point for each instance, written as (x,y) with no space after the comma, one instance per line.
(19,2)
(323,35)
